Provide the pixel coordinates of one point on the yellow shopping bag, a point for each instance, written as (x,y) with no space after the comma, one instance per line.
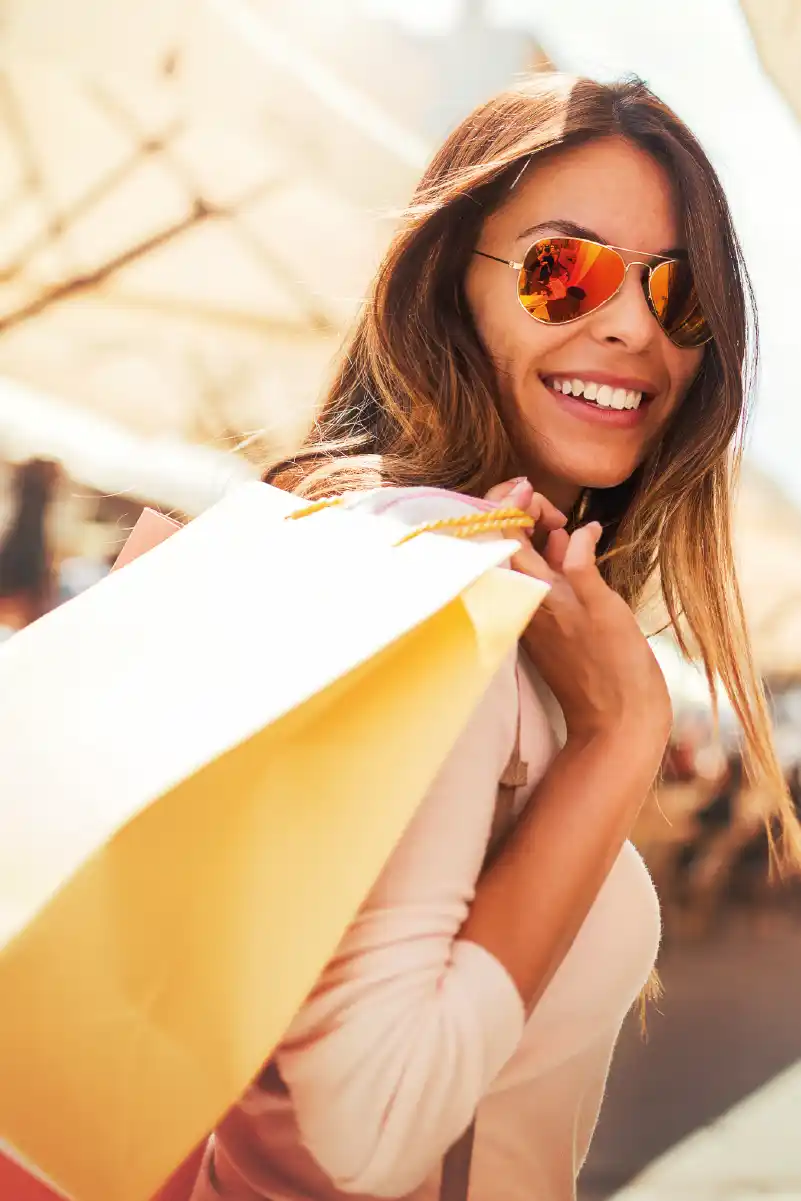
(206,760)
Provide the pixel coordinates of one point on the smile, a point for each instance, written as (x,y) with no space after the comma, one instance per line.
(602,395)
(613,402)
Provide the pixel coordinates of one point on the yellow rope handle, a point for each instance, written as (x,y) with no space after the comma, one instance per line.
(328,502)
(471,524)
(466,526)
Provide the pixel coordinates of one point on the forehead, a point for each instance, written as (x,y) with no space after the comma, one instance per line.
(609,186)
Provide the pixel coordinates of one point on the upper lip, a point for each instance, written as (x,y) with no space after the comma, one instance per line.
(630,382)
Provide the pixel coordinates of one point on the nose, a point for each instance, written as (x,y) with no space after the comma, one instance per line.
(627,320)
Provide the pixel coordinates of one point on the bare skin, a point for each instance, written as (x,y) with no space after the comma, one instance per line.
(584,641)
(619,193)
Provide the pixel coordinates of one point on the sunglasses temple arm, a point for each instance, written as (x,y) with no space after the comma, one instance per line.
(496,259)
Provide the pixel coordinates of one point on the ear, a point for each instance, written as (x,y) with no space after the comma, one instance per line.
(151,529)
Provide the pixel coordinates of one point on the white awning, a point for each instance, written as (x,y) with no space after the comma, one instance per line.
(106,456)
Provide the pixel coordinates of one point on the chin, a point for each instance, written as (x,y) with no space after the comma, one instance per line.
(600,478)
(596,474)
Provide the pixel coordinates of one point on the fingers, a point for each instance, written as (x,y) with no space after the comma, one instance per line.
(546,515)
(555,548)
(580,550)
(521,495)
(572,555)
(528,562)
(578,564)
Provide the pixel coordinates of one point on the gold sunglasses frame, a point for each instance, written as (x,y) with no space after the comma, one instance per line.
(647,263)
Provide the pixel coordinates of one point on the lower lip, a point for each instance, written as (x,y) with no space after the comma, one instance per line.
(585,410)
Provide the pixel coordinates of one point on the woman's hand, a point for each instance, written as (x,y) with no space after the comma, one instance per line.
(584,639)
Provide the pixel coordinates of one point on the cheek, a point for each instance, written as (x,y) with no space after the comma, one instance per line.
(683,367)
(492,298)
(514,341)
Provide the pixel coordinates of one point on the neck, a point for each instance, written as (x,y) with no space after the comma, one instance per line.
(560,493)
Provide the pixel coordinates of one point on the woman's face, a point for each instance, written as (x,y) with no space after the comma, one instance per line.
(615,193)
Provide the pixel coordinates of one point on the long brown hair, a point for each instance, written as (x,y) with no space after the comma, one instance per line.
(415,398)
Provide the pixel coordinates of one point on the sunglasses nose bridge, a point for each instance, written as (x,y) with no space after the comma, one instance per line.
(644,280)
(645,276)
(637,263)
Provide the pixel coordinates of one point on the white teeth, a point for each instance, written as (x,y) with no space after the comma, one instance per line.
(603,395)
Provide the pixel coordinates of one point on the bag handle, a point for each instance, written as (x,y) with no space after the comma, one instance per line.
(467,526)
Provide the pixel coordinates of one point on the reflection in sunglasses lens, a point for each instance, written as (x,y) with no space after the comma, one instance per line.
(676,306)
(565,278)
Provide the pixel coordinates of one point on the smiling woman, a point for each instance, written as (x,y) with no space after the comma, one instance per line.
(448,381)
(561,324)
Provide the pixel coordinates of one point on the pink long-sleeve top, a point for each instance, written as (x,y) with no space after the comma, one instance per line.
(409,1031)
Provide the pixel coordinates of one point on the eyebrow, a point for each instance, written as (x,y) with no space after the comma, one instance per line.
(571,230)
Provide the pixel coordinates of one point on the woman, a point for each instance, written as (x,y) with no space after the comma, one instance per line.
(26,562)
(602,390)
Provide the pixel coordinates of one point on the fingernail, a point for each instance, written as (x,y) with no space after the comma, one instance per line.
(520,490)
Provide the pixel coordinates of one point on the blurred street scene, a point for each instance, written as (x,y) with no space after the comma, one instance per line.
(193,196)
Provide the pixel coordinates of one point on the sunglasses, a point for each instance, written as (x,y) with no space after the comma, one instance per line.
(563,279)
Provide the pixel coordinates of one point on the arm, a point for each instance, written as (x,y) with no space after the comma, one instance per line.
(552,868)
(586,645)
(407,1028)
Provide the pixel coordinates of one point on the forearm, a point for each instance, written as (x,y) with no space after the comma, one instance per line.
(532,901)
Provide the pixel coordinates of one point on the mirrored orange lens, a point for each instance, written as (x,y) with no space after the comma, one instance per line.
(676,305)
(565,278)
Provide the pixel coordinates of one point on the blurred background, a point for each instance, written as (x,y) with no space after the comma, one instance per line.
(193,196)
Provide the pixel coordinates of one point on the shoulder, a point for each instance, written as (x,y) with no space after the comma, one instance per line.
(517,694)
